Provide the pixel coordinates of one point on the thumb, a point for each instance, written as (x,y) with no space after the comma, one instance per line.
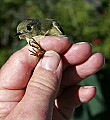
(41,90)
(44,84)
(46,77)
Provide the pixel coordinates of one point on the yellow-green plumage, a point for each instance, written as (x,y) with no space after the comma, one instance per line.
(39,26)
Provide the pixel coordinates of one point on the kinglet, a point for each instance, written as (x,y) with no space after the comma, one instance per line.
(35,29)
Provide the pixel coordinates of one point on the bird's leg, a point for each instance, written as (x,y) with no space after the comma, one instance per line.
(39,52)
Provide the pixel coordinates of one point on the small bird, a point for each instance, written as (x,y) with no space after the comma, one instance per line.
(33,30)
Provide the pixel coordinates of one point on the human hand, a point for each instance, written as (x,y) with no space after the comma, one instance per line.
(29,87)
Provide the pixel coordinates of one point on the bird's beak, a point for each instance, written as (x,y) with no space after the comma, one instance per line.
(21,35)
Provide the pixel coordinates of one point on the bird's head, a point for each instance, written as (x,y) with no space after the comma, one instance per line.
(25,29)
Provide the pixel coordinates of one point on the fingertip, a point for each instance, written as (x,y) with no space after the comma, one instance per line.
(93,64)
(58,44)
(50,60)
(100,59)
(78,53)
(87,93)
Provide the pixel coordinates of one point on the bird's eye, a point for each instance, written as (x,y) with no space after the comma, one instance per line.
(29,27)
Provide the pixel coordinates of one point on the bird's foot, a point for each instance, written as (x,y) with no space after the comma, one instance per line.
(37,50)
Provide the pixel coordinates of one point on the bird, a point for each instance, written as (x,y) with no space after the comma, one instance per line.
(35,29)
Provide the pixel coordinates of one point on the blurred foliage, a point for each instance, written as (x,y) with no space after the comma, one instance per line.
(82,20)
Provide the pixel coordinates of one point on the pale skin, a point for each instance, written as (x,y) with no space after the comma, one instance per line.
(29,87)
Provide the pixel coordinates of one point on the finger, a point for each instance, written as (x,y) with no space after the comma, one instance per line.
(77,54)
(72,98)
(58,44)
(75,74)
(17,70)
(42,88)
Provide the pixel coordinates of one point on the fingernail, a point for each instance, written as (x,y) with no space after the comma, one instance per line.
(80,42)
(84,43)
(88,87)
(90,43)
(50,60)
